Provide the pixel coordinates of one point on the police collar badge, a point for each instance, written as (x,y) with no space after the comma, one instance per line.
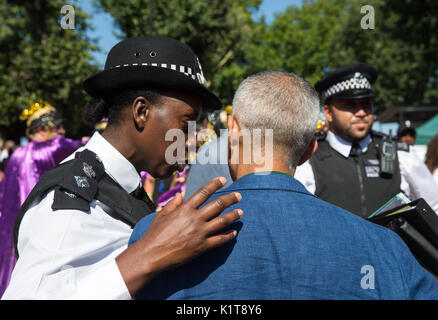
(88,170)
(82,182)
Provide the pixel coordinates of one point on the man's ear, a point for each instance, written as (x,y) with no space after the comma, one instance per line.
(233,127)
(230,121)
(328,113)
(311,149)
(141,108)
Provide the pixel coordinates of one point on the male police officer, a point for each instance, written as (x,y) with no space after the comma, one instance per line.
(354,167)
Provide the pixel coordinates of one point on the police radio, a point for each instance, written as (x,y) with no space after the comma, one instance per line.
(387,155)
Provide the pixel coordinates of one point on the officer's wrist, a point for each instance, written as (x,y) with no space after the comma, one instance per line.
(136,268)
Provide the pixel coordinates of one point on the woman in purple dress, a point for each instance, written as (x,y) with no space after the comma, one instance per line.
(27,164)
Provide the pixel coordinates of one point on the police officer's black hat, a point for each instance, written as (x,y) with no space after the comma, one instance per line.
(349,82)
(151,62)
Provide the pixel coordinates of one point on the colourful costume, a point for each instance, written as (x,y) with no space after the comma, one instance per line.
(179,187)
(23,170)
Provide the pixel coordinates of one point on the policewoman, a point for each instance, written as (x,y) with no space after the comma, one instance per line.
(354,167)
(72,231)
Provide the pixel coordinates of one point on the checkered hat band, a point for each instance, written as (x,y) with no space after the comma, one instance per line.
(349,84)
(189,72)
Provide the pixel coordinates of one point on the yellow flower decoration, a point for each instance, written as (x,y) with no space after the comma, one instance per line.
(34,107)
(321,127)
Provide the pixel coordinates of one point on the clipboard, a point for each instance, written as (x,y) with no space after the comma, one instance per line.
(417,224)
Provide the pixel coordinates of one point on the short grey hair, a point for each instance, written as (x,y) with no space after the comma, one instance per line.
(283,102)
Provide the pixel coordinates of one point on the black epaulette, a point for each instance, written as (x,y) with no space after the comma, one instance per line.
(402,146)
(79,185)
(382,135)
(320,136)
(78,182)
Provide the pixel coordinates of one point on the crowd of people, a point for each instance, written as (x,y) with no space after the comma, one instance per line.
(108,217)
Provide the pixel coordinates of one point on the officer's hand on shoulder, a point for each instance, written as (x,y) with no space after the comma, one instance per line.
(179,233)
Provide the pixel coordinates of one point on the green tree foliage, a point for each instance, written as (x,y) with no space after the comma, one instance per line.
(298,40)
(218,31)
(40,60)
(403,47)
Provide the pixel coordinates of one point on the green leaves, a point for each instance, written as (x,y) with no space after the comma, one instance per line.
(298,40)
(402,47)
(40,60)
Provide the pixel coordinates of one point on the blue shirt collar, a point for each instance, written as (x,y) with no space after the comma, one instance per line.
(267,181)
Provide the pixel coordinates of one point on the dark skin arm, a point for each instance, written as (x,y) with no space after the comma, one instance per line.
(179,233)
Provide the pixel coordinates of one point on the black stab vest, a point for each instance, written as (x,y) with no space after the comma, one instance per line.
(354,183)
(126,207)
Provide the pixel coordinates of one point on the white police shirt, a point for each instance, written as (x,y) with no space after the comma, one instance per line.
(416,179)
(70,254)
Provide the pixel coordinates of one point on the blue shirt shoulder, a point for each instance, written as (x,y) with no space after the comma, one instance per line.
(292,245)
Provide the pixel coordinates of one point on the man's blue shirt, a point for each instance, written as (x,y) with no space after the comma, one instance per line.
(292,245)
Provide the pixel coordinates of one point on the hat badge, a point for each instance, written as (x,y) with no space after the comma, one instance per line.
(200,74)
(358,78)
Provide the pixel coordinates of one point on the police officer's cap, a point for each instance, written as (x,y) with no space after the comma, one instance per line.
(349,82)
(151,62)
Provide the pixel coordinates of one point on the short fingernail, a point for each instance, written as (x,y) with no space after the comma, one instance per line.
(238,196)
(222,180)
(240,212)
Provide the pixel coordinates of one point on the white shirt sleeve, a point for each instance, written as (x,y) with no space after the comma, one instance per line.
(435,176)
(68,254)
(417,181)
(304,174)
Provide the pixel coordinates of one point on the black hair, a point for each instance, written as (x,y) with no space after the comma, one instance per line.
(407,131)
(110,106)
